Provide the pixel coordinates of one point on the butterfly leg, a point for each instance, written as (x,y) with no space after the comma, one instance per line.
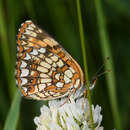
(68,98)
(84,96)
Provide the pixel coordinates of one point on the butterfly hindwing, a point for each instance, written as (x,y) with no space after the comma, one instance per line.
(44,70)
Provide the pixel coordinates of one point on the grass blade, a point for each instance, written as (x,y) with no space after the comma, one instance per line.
(5,51)
(106,51)
(81,31)
(13,115)
(30,9)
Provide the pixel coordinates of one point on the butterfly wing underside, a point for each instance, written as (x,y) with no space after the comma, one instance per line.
(44,70)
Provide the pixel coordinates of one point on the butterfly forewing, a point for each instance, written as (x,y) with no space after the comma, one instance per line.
(44,70)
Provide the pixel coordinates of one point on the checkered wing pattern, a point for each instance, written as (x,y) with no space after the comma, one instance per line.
(44,70)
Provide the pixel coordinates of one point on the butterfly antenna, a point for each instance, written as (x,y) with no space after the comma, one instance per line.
(101,74)
(95,75)
(94,79)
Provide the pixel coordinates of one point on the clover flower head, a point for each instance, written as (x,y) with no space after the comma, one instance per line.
(70,116)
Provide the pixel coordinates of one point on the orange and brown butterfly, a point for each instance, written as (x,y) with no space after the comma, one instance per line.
(44,70)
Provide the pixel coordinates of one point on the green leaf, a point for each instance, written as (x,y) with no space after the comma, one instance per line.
(107,51)
(13,115)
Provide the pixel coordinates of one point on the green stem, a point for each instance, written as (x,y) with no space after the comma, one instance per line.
(13,115)
(106,51)
(81,31)
(5,51)
(30,9)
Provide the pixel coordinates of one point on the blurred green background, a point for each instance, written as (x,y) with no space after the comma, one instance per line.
(106,26)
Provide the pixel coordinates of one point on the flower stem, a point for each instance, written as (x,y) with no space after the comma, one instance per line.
(83,47)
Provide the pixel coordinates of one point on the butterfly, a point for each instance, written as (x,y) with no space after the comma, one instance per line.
(44,69)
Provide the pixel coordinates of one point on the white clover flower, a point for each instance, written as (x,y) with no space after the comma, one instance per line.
(70,116)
